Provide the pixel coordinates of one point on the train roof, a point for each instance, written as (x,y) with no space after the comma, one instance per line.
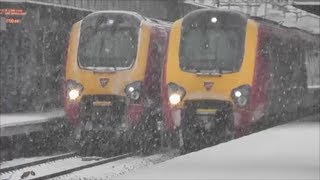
(159,22)
(135,14)
(200,11)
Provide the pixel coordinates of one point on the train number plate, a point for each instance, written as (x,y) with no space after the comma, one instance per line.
(102,103)
(206,111)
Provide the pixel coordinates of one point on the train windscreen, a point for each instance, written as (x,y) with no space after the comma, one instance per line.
(212,42)
(108,41)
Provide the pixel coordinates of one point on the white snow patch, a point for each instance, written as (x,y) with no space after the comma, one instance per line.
(286,152)
(47,168)
(114,169)
(19,161)
(16,119)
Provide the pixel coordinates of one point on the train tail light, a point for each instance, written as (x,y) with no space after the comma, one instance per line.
(176,93)
(241,95)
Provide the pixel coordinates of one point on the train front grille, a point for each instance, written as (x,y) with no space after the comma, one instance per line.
(204,112)
(210,105)
(103,110)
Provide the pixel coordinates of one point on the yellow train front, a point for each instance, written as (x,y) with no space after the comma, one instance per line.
(226,71)
(111,79)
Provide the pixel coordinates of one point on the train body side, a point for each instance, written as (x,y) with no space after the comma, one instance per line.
(288,64)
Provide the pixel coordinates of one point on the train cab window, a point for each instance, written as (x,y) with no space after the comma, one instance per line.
(212,42)
(108,43)
(212,48)
(105,48)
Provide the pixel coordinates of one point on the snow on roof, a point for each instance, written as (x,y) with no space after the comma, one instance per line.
(133,13)
(306,2)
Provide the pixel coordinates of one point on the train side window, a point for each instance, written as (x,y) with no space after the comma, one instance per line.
(312,67)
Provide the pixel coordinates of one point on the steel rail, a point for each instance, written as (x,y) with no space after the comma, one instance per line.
(68,171)
(33,163)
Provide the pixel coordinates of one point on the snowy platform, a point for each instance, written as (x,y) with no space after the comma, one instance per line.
(24,123)
(289,151)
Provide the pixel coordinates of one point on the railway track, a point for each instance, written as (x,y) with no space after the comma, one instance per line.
(33,163)
(55,166)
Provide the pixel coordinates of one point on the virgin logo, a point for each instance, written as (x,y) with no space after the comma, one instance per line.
(104,82)
(208,85)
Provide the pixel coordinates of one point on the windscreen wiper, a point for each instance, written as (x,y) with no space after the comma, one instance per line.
(215,72)
(104,69)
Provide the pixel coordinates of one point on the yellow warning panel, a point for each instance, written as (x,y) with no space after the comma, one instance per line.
(206,111)
(102,103)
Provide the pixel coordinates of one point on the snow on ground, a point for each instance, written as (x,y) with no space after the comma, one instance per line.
(289,151)
(46,168)
(16,119)
(120,167)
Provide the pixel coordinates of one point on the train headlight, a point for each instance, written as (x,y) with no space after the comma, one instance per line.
(74,89)
(242,101)
(135,95)
(237,93)
(74,94)
(241,95)
(174,99)
(175,93)
(130,89)
(134,90)
(214,19)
